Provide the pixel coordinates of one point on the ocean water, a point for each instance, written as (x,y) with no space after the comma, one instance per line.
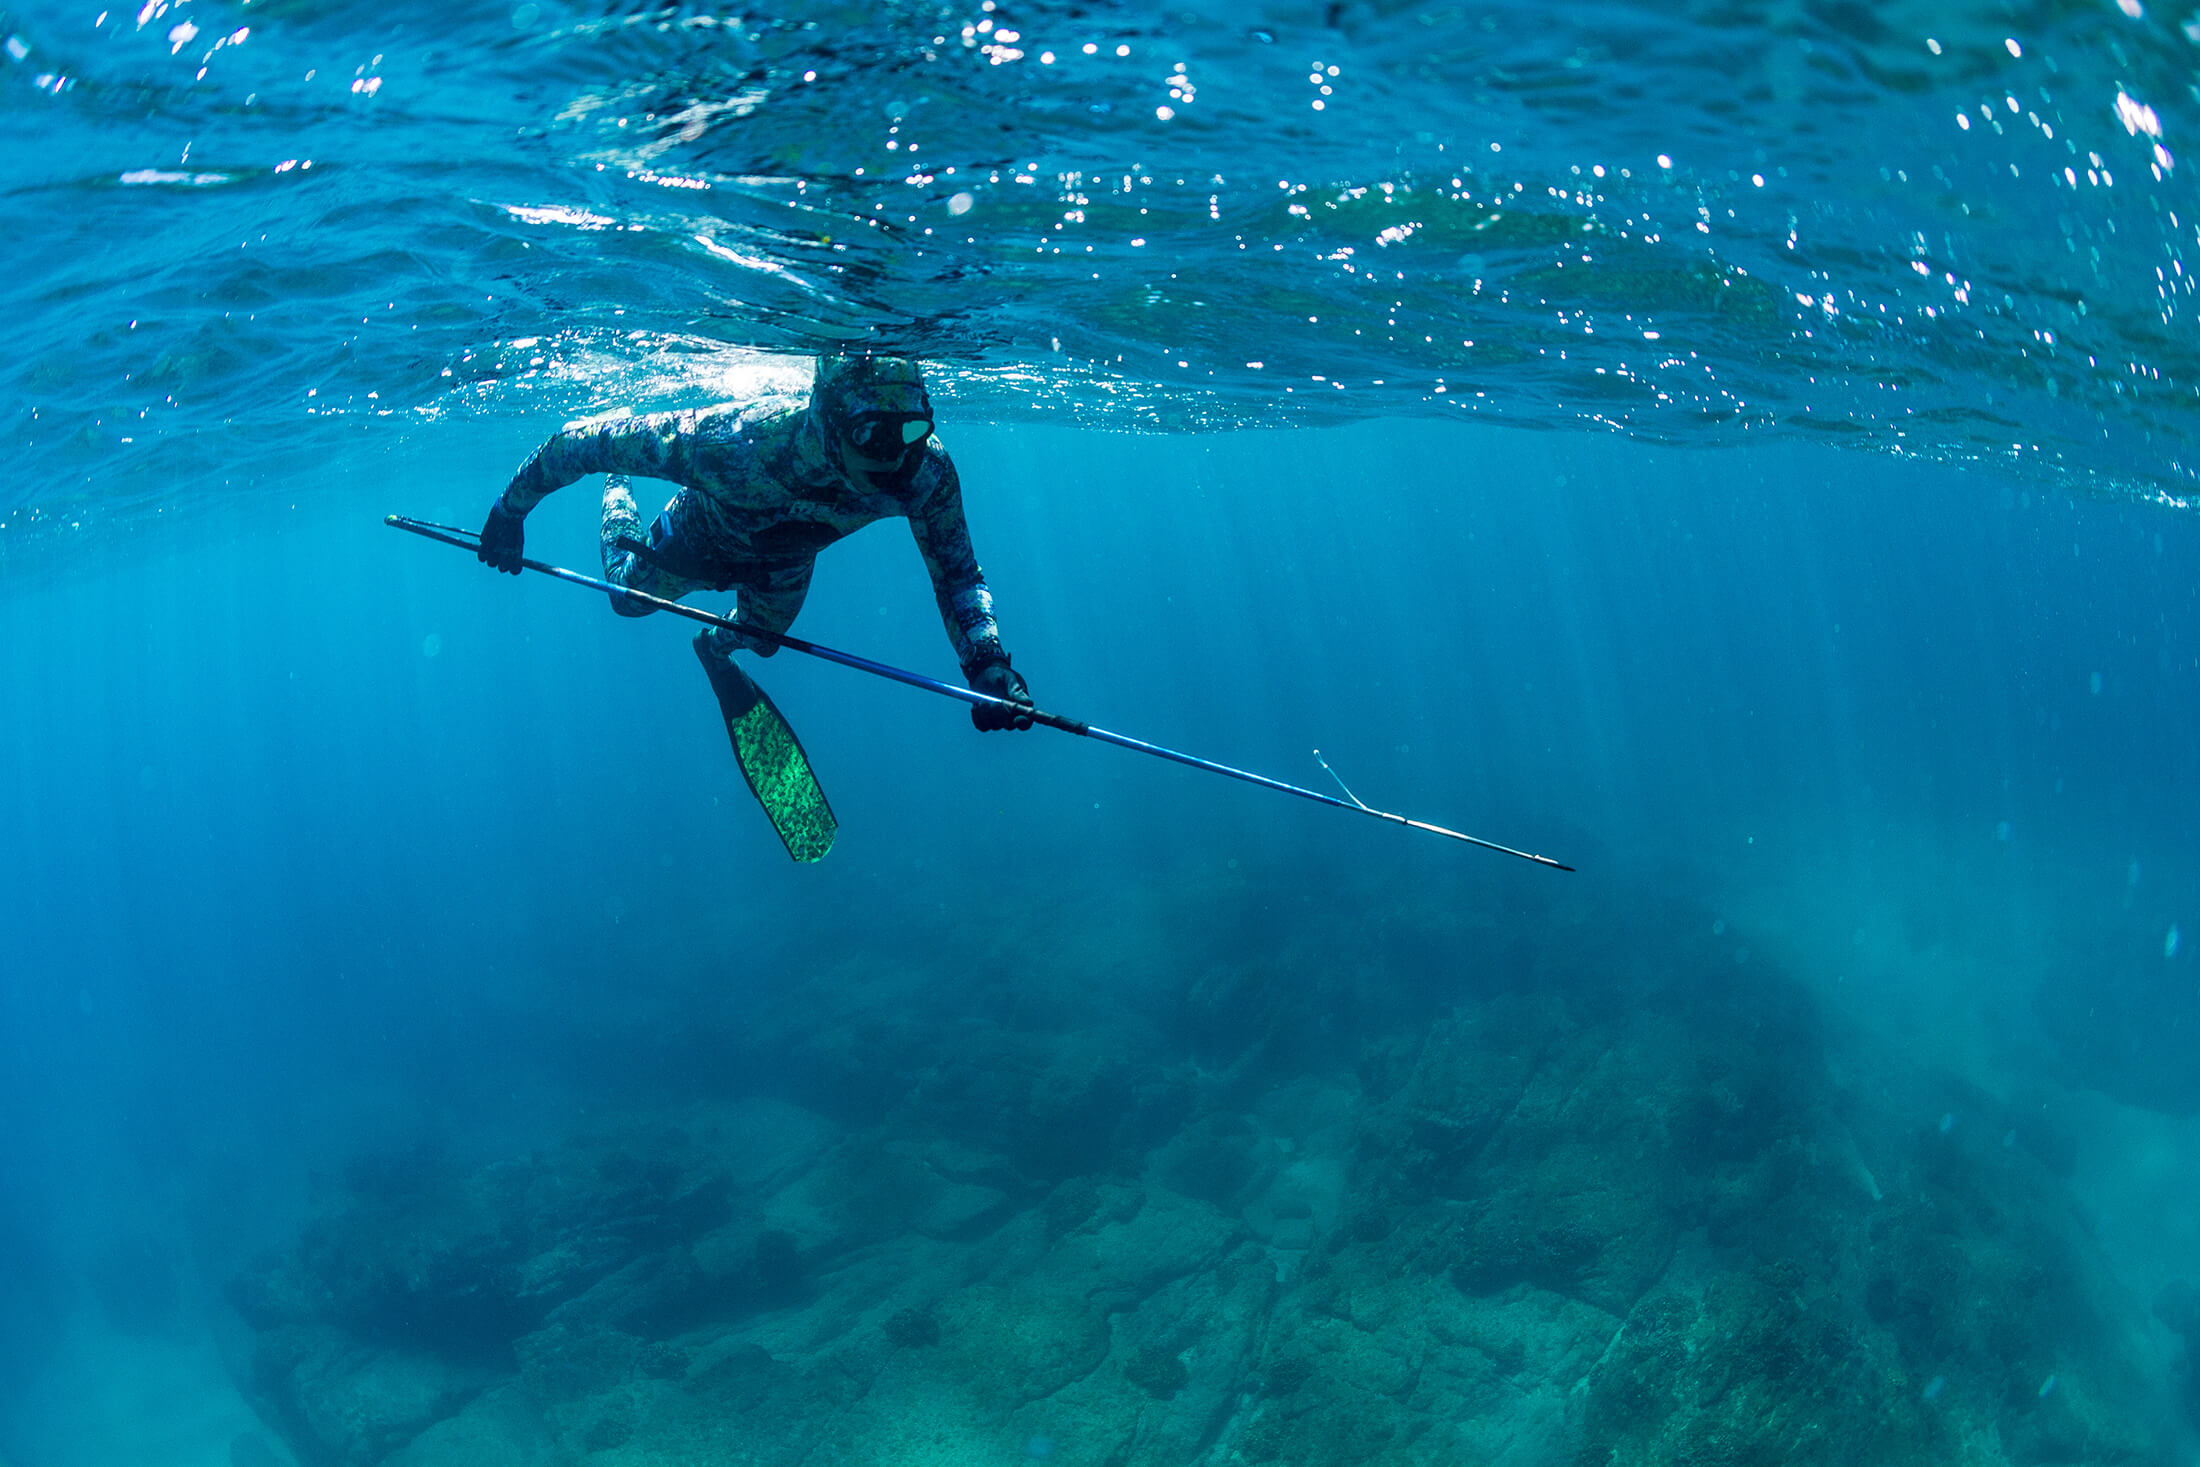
(1745,454)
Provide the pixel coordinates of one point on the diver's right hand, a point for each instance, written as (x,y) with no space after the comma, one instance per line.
(502,539)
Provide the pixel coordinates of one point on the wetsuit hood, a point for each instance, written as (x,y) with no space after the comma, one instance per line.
(872,418)
(851,387)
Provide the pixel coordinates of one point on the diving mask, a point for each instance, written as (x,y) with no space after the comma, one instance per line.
(885,437)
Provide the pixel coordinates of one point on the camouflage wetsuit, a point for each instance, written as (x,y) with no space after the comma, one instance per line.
(762,491)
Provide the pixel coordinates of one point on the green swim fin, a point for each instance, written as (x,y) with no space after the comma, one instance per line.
(771,758)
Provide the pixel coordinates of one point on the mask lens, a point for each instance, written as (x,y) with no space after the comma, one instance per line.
(885,438)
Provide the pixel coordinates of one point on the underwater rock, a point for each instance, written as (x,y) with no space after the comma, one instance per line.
(1021,1342)
(912,1329)
(1557,1150)
(2178,1306)
(462,1268)
(1760,1366)
(1449,1088)
(1610,1217)
(1157,1371)
(1070,1205)
(569,1362)
(419,1286)
(958,1210)
(347,1405)
(250,1449)
(1374,1361)
(506,1426)
(775,1264)
(1214,1159)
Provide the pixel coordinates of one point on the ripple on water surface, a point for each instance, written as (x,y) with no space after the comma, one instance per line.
(247,229)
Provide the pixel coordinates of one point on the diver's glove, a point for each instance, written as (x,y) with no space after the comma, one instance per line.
(999,680)
(502,539)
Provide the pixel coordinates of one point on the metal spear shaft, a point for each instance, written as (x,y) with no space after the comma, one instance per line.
(468,540)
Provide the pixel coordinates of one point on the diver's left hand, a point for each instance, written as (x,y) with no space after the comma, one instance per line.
(999,680)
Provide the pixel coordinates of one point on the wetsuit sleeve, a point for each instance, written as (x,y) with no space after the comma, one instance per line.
(966,606)
(655,446)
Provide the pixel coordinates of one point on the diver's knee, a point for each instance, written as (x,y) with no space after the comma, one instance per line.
(715,644)
(723,642)
(617,573)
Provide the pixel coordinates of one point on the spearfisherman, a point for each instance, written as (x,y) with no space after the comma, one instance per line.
(763,487)
(762,490)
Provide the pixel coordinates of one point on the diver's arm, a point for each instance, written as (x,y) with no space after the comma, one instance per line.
(658,446)
(654,446)
(966,605)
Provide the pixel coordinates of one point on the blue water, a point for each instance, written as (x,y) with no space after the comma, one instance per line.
(322,841)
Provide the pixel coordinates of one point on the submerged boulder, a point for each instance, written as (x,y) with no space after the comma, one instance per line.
(1630,1205)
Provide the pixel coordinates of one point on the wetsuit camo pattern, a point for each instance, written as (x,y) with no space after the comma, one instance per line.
(761,493)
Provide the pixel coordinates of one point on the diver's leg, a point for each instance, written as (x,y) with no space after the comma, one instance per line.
(770,604)
(770,756)
(624,566)
(774,602)
(621,521)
